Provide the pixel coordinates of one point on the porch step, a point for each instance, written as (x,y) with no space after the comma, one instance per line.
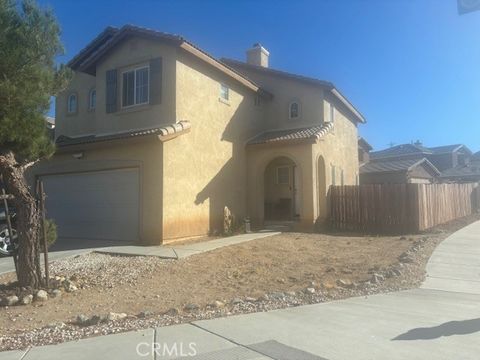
(279,226)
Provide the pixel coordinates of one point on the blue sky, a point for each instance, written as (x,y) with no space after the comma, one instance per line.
(412,67)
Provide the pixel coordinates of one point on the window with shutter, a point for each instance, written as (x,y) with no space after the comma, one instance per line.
(111,91)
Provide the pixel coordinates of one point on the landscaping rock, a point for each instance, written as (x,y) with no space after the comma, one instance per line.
(406,258)
(276,295)
(144,314)
(310,290)
(172,312)
(397,272)
(264,297)
(41,295)
(345,283)
(377,278)
(82,320)
(56,293)
(69,286)
(27,299)
(237,301)
(328,285)
(94,320)
(59,325)
(116,316)
(10,300)
(191,307)
(291,293)
(250,299)
(218,304)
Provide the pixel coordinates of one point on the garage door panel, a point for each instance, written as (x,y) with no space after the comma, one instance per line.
(95,205)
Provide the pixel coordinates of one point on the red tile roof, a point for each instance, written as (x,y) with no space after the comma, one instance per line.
(312,133)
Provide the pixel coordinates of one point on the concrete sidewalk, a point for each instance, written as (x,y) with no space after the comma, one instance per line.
(163,251)
(181,251)
(440,320)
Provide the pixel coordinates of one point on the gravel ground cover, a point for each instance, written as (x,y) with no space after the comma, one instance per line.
(101,294)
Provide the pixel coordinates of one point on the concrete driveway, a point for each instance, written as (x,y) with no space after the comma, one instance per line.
(440,320)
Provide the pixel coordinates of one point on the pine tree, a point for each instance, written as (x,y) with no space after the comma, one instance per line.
(29,43)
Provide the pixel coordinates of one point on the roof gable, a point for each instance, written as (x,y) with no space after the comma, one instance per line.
(326,85)
(450,149)
(87,59)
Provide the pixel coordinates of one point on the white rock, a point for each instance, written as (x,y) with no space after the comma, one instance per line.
(310,290)
(27,299)
(218,304)
(10,300)
(41,295)
(116,316)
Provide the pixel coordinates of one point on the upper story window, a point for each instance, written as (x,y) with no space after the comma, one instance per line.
(135,86)
(294,110)
(224,92)
(283,175)
(72,103)
(331,114)
(92,99)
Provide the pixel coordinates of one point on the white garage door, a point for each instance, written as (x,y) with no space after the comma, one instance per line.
(94,205)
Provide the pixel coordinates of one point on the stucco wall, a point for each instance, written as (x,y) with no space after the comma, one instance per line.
(286,91)
(145,154)
(132,52)
(205,169)
(338,149)
(83,121)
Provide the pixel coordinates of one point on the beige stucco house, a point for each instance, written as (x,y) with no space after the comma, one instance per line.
(155,137)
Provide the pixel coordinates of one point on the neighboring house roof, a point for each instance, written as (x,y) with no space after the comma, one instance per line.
(400,150)
(312,81)
(86,60)
(312,133)
(476,156)
(417,149)
(449,149)
(397,166)
(364,144)
(464,171)
(164,132)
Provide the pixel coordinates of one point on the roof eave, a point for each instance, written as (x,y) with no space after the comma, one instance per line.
(360,118)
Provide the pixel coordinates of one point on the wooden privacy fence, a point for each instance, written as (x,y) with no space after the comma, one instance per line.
(399,208)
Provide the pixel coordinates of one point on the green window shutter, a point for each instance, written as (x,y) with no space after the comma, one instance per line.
(111,91)
(156,81)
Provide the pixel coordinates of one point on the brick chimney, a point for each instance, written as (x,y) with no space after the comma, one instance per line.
(258,55)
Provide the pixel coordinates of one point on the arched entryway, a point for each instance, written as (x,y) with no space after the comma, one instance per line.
(282,190)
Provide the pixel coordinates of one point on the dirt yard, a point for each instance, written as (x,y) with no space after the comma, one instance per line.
(303,268)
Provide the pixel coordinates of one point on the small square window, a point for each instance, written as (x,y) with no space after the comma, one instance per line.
(224,92)
(283,175)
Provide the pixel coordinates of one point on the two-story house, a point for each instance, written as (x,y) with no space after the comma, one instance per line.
(448,163)
(155,137)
